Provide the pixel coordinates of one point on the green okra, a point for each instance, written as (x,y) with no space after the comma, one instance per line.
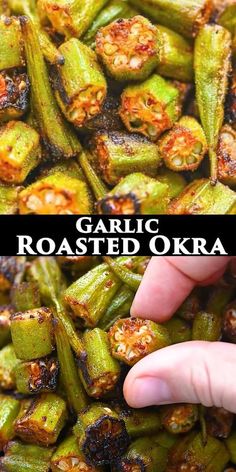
(108,118)
(98,187)
(37,376)
(219,298)
(56,194)
(71,18)
(25,296)
(14,97)
(4,8)
(103,423)
(32,333)
(212,65)
(59,139)
(43,421)
(114,10)
(11,46)
(227,17)
(183,147)
(9,408)
(99,371)
(219,422)
(150,108)
(175,181)
(70,168)
(131,339)
(179,330)
(200,197)
(8,362)
(69,456)
(5,332)
(226,155)
(165,439)
(143,455)
(228,327)
(206,327)
(175,55)
(190,307)
(124,273)
(8,199)
(20,151)
(79,84)
(184,16)
(21,457)
(119,154)
(11,269)
(179,419)
(136,194)
(139,422)
(118,308)
(77,265)
(230,443)
(128,48)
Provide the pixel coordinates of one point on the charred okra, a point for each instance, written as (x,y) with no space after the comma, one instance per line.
(206,327)
(5,332)
(56,194)
(8,362)
(212,66)
(25,296)
(219,422)
(101,435)
(229,322)
(11,46)
(14,94)
(37,376)
(143,456)
(99,372)
(20,151)
(139,422)
(119,154)
(8,199)
(136,194)
(131,339)
(9,409)
(69,457)
(226,154)
(150,108)
(32,333)
(183,147)
(21,457)
(128,48)
(10,268)
(179,419)
(80,86)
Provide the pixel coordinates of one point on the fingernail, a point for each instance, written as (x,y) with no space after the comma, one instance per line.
(149,391)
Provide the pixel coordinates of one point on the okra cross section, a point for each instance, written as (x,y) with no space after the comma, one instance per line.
(39,375)
(132,339)
(68,457)
(14,96)
(178,419)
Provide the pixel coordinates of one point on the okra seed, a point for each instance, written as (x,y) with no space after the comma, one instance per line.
(110,49)
(135,62)
(178,161)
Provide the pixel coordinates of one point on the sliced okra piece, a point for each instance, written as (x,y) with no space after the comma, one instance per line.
(77,264)
(229,322)
(11,267)
(230,443)
(56,194)
(135,194)
(139,422)
(20,151)
(179,419)
(119,308)
(21,457)
(226,154)
(143,456)
(101,435)
(99,371)
(125,274)
(14,97)
(60,140)
(25,296)
(119,154)
(32,333)
(11,46)
(68,457)
(5,331)
(219,422)
(219,298)
(201,197)
(179,330)
(150,108)
(165,439)
(183,147)
(9,409)
(8,362)
(108,118)
(68,167)
(175,55)
(128,48)
(207,327)
(184,16)
(38,376)
(212,64)
(9,199)
(176,182)
(43,421)
(131,339)
(96,184)
(79,84)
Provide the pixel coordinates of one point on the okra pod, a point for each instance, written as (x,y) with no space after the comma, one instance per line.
(14,96)
(131,339)
(219,298)
(118,308)
(11,46)
(98,187)
(59,139)
(230,443)
(37,376)
(190,307)
(8,199)
(206,327)
(184,16)
(5,332)
(38,323)
(8,362)
(179,419)
(200,197)
(229,326)
(108,118)
(101,435)
(226,153)
(11,267)
(219,422)
(25,296)
(179,330)
(124,273)
(227,17)
(21,457)
(56,194)
(9,408)
(175,181)
(175,55)
(69,457)
(212,66)
(150,108)
(183,147)
(79,84)
(143,456)
(20,151)
(43,421)
(165,439)
(119,154)
(135,194)
(140,422)
(99,371)
(69,168)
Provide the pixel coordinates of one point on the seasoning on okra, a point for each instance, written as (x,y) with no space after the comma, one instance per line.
(80,86)
(131,339)
(8,362)
(150,108)
(5,332)
(14,96)
(8,199)
(10,268)
(8,413)
(97,425)
(184,146)
(119,154)
(178,419)
(219,422)
(37,376)
(143,456)
(69,457)
(25,296)
(206,327)
(229,322)
(226,154)
(21,457)
(11,46)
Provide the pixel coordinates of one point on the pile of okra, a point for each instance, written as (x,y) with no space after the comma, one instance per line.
(67,342)
(118,106)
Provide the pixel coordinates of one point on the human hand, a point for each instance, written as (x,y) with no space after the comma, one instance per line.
(192,372)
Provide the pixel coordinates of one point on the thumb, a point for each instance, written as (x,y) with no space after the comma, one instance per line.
(192,372)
